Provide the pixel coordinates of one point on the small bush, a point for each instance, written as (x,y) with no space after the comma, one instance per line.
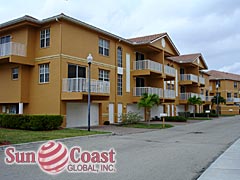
(106,123)
(199,115)
(130,118)
(176,119)
(184,114)
(213,115)
(30,122)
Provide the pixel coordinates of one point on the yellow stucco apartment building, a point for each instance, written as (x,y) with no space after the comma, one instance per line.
(44,70)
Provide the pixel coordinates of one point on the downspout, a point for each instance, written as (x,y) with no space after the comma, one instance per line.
(60,63)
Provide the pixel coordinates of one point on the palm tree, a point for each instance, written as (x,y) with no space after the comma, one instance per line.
(147,101)
(218,100)
(195,101)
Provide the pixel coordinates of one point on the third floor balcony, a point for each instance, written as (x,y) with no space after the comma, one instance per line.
(146,67)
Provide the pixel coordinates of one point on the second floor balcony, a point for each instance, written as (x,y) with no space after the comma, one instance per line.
(169,94)
(146,67)
(236,100)
(75,88)
(139,91)
(12,48)
(187,95)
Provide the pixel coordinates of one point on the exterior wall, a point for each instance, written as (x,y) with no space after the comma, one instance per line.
(70,44)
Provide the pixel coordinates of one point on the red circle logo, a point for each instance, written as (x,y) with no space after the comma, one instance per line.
(52,157)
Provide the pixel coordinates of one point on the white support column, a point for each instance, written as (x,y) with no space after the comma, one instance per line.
(20,108)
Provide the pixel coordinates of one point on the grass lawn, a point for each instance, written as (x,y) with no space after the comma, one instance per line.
(199,118)
(148,126)
(13,136)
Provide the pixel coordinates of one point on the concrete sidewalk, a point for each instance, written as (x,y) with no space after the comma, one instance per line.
(226,167)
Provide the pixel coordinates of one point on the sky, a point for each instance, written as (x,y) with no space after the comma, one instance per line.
(210,27)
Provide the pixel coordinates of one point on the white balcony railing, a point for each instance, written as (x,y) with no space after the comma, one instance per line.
(147,64)
(169,70)
(81,85)
(201,80)
(230,99)
(236,100)
(169,94)
(186,96)
(188,77)
(139,91)
(12,48)
(208,98)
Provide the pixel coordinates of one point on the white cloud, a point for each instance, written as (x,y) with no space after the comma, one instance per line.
(234,68)
(210,27)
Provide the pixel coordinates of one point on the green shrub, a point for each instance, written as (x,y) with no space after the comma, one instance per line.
(199,115)
(130,118)
(184,114)
(106,123)
(176,119)
(213,115)
(30,122)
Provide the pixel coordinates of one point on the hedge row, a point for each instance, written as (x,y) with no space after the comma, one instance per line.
(31,122)
(176,118)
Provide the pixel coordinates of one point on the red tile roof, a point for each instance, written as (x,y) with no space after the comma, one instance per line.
(215,75)
(146,39)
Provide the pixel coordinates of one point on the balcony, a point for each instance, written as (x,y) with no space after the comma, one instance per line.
(236,100)
(139,91)
(230,100)
(145,67)
(169,94)
(75,88)
(169,71)
(202,80)
(12,48)
(188,79)
(186,96)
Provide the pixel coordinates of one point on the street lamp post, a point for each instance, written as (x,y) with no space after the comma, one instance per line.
(217,100)
(89,60)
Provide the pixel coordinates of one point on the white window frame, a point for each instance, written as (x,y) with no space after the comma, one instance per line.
(119,85)
(119,56)
(103,75)
(104,44)
(15,72)
(45,37)
(44,71)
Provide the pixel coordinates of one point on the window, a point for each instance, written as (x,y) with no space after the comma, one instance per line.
(229,95)
(235,95)
(103,47)
(235,84)
(139,56)
(103,75)
(119,56)
(45,38)
(14,73)
(76,71)
(218,83)
(119,85)
(5,39)
(44,73)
